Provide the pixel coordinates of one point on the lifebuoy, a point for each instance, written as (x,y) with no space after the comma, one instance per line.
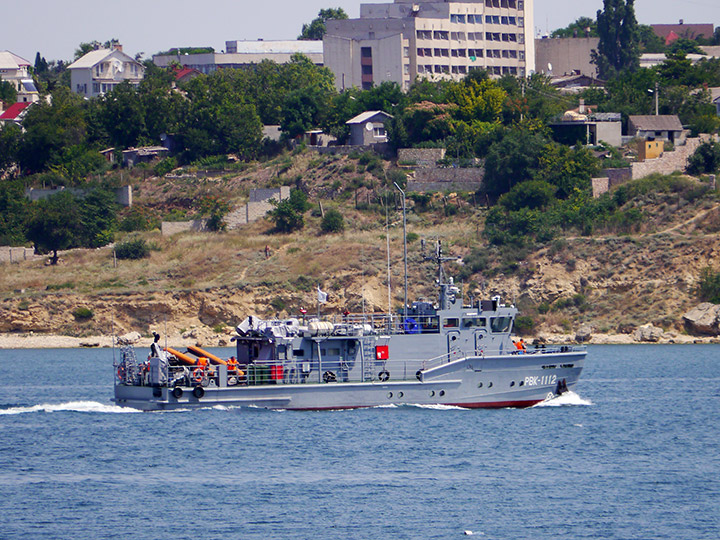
(198,375)
(121,373)
(329,376)
(384,375)
(177,392)
(411,326)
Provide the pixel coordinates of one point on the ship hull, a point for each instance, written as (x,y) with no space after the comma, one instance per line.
(473,382)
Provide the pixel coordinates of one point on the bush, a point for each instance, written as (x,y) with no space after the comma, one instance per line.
(333,222)
(708,288)
(165,166)
(132,249)
(524,324)
(83,314)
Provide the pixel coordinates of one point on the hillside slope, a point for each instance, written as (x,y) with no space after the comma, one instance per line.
(201,284)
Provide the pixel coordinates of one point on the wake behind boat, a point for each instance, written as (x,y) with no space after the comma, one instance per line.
(445,353)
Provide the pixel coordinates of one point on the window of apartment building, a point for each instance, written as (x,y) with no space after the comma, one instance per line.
(424,34)
(406,52)
(437,69)
(462,69)
(496,70)
(504,3)
(505,54)
(442,52)
(513,54)
(366,52)
(521,21)
(471,19)
(512,21)
(492,3)
(520,5)
(521,55)
(521,38)
(420,52)
(367,70)
(420,69)
(457,36)
(475,53)
(96,88)
(428,69)
(457,19)
(441,34)
(454,69)
(504,20)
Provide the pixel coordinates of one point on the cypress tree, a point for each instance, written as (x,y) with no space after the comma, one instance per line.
(618,50)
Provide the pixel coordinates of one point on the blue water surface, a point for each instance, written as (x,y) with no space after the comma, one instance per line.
(634,455)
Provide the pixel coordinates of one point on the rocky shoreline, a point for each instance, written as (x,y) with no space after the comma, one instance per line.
(50,341)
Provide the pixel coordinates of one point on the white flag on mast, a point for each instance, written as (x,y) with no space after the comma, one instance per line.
(322,296)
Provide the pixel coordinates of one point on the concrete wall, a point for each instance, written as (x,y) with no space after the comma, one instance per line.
(257,206)
(566,55)
(173,227)
(123,195)
(17,254)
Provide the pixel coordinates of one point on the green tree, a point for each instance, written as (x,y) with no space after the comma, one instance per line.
(513,159)
(316,29)
(649,41)
(54,224)
(288,214)
(332,222)
(618,50)
(531,194)
(706,159)
(8,94)
(10,143)
(582,27)
(14,211)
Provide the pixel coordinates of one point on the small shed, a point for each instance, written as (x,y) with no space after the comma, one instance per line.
(368,128)
(661,128)
(145,154)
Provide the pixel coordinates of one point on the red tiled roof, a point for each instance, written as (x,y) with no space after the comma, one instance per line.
(181,73)
(14,111)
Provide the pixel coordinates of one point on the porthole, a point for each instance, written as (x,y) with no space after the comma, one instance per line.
(521,383)
(400,394)
(480,385)
(432,394)
(442,393)
(512,383)
(389,395)
(490,384)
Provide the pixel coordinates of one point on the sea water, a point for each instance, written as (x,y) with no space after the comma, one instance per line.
(633,453)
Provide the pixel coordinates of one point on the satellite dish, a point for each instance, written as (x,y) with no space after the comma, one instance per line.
(549,67)
(369,126)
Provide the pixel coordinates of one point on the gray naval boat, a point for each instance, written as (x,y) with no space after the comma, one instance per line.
(430,354)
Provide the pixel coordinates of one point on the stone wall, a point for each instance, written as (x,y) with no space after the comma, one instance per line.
(450,179)
(669,162)
(421,157)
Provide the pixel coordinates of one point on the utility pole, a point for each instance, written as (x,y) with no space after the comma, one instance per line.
(656,98)
(404,251)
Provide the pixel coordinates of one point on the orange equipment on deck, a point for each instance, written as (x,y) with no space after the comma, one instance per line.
(184,358)
(197,351)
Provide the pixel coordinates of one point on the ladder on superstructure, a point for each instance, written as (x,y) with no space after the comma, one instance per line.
(368,351)
(129,362)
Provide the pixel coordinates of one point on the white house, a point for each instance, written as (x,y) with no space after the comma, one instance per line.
(99,71)
(368,128)
(15,70)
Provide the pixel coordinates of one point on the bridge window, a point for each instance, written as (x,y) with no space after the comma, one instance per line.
(450,323)
(474,322)
(500,324)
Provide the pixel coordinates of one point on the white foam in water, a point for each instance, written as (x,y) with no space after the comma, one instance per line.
(72,406)
(569,398)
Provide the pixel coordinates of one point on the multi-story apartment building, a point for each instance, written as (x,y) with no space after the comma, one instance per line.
(411,39)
